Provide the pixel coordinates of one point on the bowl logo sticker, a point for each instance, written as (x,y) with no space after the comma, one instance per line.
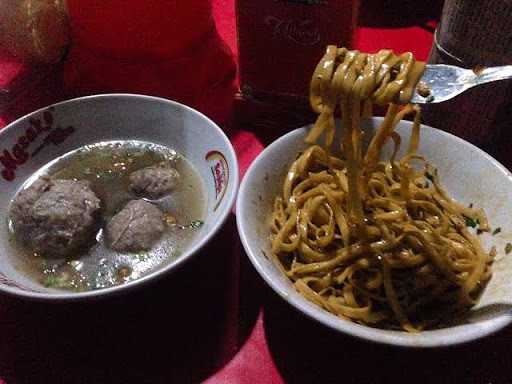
(220,173)
(17,155)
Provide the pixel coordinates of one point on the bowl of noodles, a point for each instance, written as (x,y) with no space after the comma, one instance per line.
(381,228)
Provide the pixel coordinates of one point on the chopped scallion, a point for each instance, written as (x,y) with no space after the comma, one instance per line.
(496,231)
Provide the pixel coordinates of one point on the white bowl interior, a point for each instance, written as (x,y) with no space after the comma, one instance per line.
(469,174)
(72,124)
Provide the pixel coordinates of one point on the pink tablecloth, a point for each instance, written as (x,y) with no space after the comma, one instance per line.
(217,321)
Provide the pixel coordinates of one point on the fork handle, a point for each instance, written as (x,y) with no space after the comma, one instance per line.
(493,74)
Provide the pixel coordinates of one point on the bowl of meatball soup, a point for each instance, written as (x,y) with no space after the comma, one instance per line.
(103,193)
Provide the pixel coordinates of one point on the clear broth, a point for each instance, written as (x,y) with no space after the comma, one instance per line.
(107,166)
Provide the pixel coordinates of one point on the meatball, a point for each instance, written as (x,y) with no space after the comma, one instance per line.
(137,227)
(154,182)
(55,217)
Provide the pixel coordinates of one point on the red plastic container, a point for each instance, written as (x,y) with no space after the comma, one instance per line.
(167,48)
(140,29)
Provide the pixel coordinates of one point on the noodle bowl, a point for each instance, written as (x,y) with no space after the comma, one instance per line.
(379,242)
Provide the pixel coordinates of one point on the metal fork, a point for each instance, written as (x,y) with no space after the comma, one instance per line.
(442,82)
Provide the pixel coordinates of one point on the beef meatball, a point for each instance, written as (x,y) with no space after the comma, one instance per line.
(137,227)
(55,217)
(154,182)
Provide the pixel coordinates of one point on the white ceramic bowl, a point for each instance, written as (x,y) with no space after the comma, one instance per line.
(34,140)
(469,174)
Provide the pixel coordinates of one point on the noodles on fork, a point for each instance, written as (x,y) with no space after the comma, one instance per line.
(378,242)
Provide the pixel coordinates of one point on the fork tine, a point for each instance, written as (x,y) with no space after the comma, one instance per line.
(442,83)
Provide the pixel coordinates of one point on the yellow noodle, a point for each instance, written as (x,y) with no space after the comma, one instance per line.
(373,240)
